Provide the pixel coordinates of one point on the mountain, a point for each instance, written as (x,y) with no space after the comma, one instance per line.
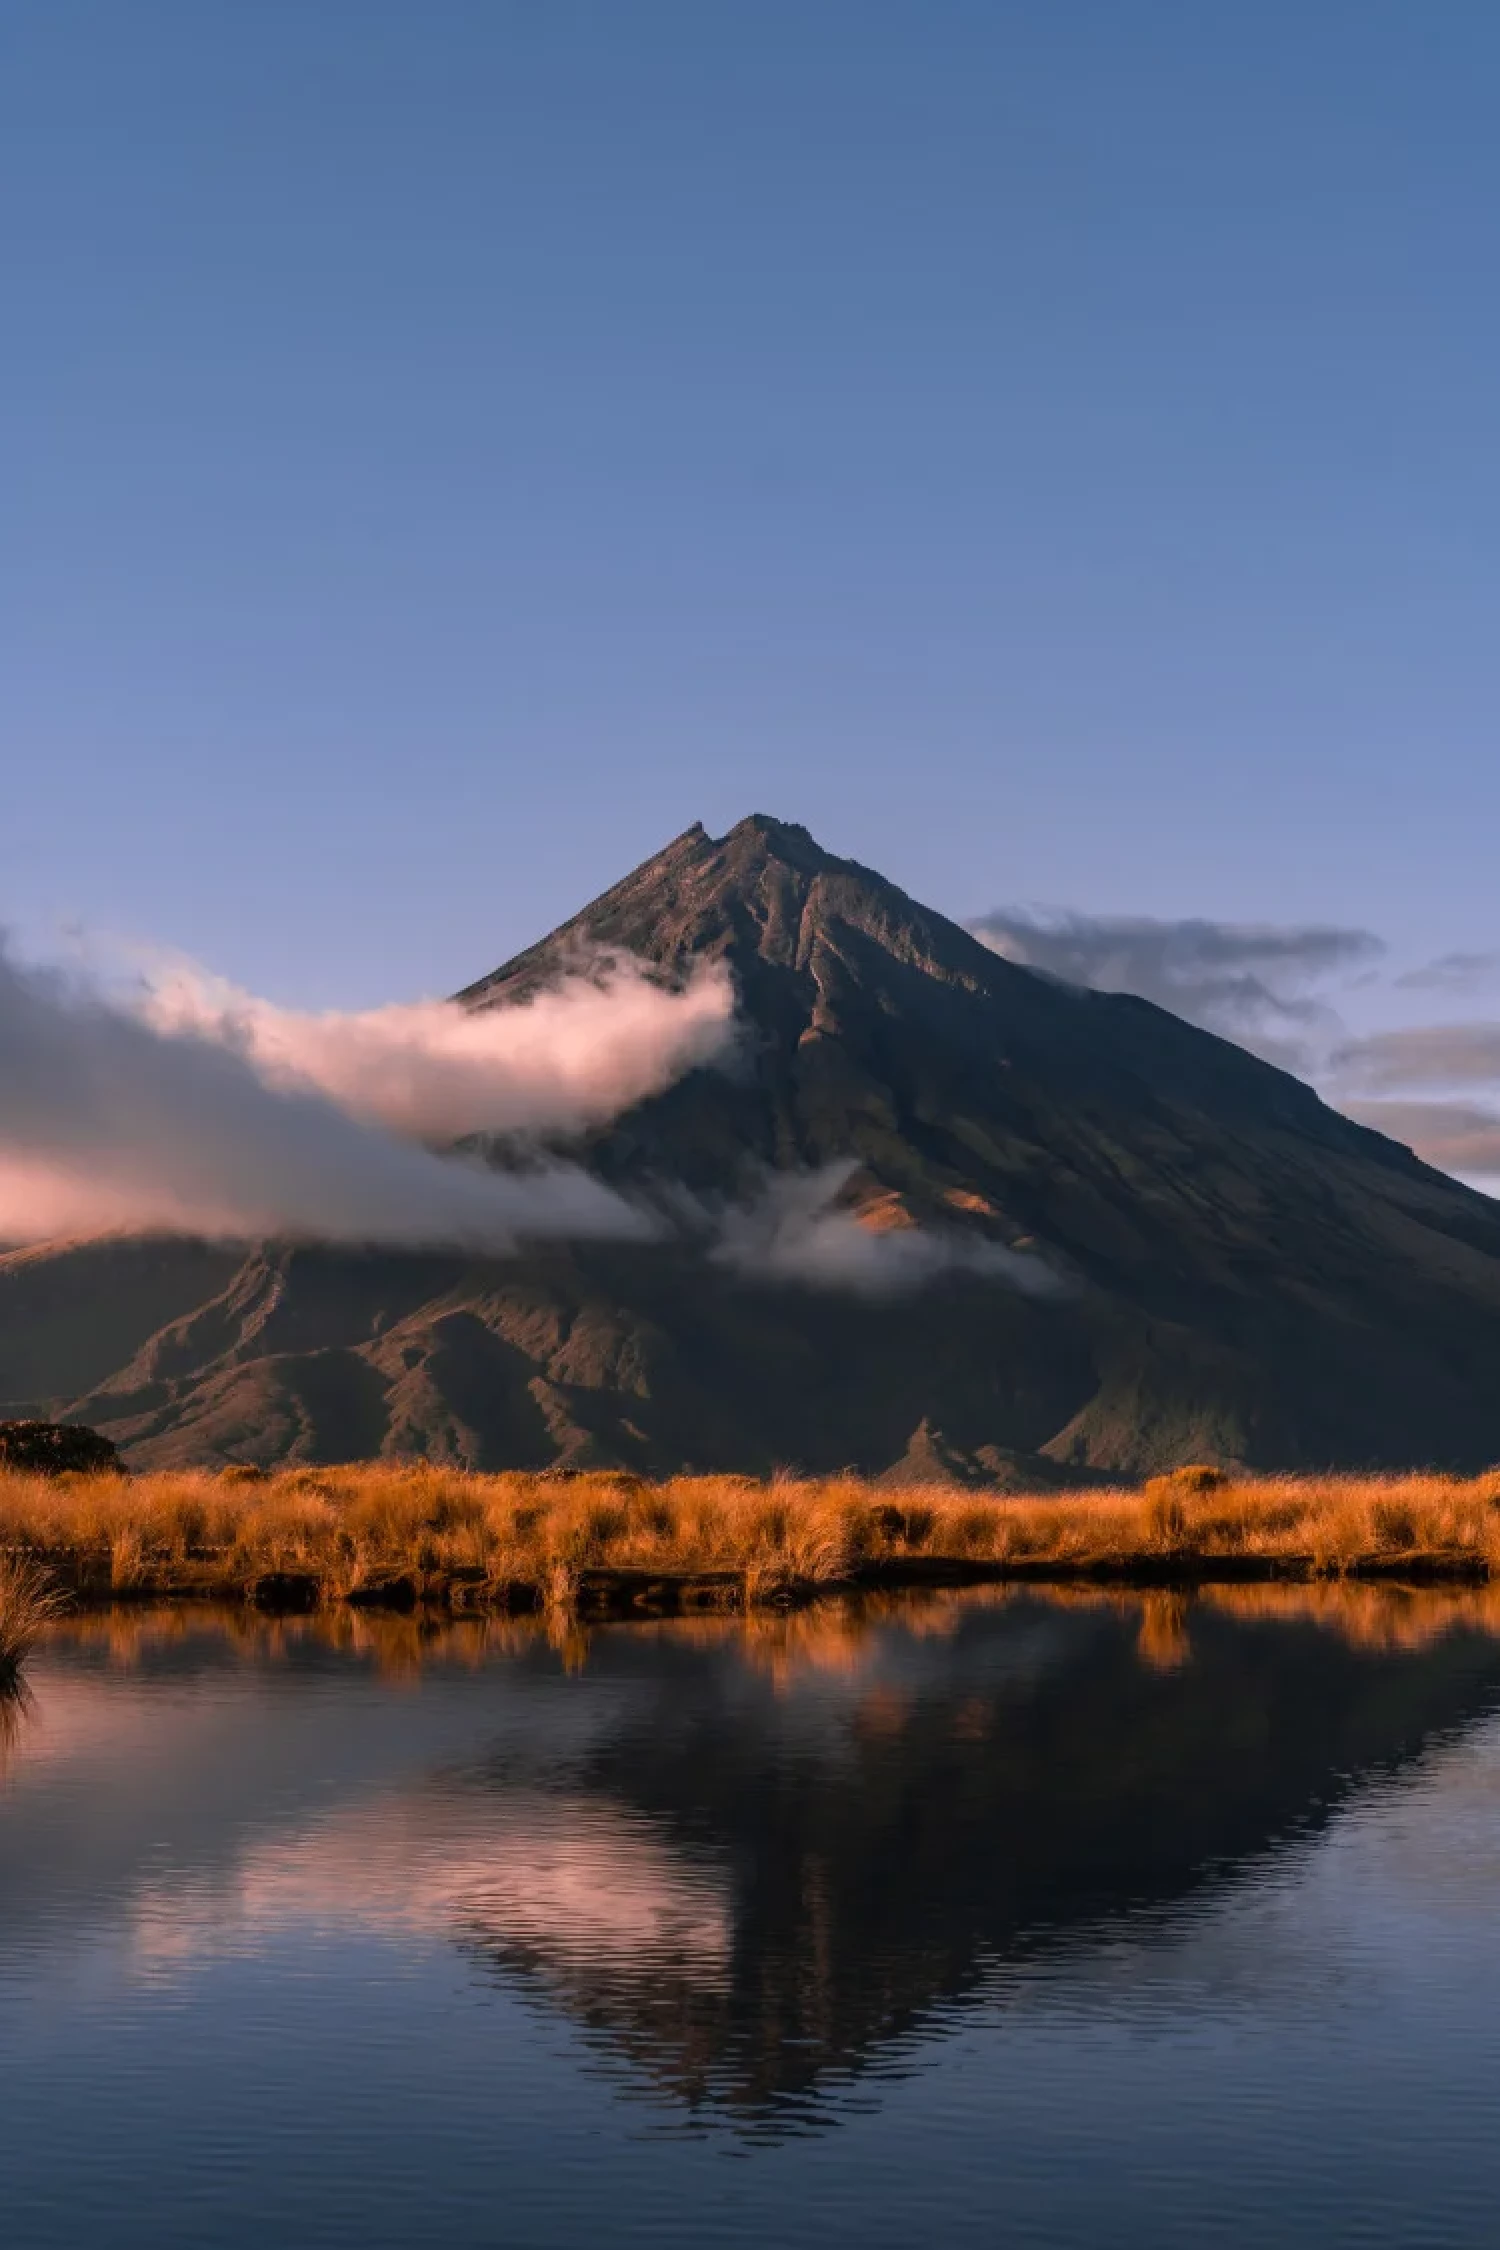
(1157,1247)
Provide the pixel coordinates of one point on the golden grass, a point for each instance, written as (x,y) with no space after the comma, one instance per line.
(28,1603)
(469,1537)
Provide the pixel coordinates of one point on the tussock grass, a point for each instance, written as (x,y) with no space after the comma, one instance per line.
(28,1603)
(466,1537)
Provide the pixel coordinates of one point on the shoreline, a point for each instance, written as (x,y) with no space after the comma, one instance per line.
(619,1595)
(603,1543)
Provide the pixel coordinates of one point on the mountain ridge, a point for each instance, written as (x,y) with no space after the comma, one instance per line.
(1249,1275)
(627,916)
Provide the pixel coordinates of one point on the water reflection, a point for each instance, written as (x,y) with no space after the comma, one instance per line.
(750,1859)
(15,1702)
(829,1636)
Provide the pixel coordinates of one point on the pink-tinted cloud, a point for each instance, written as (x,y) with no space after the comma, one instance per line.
(431,1070)
(203,1122)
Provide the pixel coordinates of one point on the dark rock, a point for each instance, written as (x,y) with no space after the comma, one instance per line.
(384,1590)
(287,1592)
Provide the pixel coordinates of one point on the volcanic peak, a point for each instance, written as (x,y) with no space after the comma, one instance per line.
(766,891)
(1248,1276)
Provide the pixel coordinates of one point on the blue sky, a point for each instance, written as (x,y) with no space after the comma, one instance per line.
(1049,449)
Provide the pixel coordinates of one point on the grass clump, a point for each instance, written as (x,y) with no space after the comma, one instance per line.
(28,1603)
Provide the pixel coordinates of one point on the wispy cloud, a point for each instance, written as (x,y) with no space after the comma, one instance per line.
(1256,983)
(1276,989)
(1448,1054)
(190,1107)
(240,1121)
(1408,1069)
(1451,972)
(1454,1136)
(799,1228)
(570,1057)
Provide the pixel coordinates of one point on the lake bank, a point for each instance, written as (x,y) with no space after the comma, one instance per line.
(606,1544)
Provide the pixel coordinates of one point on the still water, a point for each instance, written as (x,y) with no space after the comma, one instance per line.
(971,1920)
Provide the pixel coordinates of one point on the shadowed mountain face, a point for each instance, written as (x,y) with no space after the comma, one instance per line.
(1235,1270)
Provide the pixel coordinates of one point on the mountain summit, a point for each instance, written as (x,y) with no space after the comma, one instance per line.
(1140,1244)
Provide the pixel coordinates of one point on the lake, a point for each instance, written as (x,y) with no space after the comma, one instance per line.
(982,1918)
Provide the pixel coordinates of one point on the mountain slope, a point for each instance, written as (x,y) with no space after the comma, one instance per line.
(1240,1272)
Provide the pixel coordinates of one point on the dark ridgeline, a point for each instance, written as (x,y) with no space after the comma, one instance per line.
(1248,1275)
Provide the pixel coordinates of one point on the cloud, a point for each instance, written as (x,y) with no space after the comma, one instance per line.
(110,1120)
(1452,972)
(1258,984)
(1451,1135)
(1250,982)
(190,1107)
(1451,1054)
(570,1057)
(1457,1136)
(795,1229)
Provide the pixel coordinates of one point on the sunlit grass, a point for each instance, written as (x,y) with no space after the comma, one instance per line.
(29,1601)
(471,1536)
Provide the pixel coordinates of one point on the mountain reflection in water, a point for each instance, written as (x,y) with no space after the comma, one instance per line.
(750,1858)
